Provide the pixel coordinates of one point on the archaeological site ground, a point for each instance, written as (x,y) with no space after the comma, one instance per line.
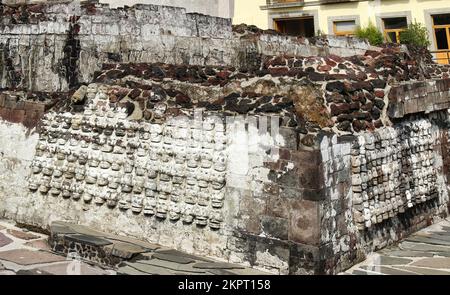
(151,140)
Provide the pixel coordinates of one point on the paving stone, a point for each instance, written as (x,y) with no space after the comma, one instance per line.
(32,272)
(127,270)
(2,267)
(428,240)
(27,257)
(243,272)
(146,245)
(407,253)
(173,258)
(125,250)
(2,227)
(58,227)
(7,273)
(172,266)
(182,254)
(39,244)
(360,273)
(87,239)
(4,240)
(71,268)
(386,270)
(423,247)
(217,265)
(150,269)
(22,235)
(386,260)
(423,271)
(436,262)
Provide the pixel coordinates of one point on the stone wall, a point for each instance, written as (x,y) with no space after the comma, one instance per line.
(69,42)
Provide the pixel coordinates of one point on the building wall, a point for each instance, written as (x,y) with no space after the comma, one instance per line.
(364,11)
(249,12)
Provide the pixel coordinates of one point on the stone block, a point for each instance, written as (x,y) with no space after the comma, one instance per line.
(275,227)
(303,222)
(278,207)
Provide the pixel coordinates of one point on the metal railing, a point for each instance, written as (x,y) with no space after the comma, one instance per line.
(441,56)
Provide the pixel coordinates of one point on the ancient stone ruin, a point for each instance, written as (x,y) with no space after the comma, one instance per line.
(288,155)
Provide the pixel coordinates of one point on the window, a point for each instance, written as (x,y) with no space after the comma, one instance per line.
(303,27)
(392,28)
(344,28)
(441,28)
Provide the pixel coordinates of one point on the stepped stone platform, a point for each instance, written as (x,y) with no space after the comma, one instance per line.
(72,249)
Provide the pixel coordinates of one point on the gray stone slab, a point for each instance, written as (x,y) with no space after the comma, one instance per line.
(173,258)
(406,253)
(61,228)
(387,260)
(4,240)
(435,262)
(424,271)
(423,247)
(386,270)
(39,244)
(428,240)
(71,268)
(150,269)
(172,266)
(27,257)
(127,270)
(217,265)
(86,239)
(182,254)
(32,272)
(125,250)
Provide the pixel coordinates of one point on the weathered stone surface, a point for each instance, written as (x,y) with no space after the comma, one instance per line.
(27,257)
(125,250)
(4,240)
(424,271)
(435,262)
(22,235)
(89,240)
(39,244)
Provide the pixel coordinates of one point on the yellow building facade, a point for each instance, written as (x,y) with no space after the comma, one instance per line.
(340,17)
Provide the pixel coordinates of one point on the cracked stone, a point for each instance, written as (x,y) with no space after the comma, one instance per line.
(4,240)
(27,257)
(90,240)
(22,235)
(38,244)
(125,250)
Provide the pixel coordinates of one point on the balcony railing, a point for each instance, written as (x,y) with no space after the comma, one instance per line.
(283,3)
(299,3)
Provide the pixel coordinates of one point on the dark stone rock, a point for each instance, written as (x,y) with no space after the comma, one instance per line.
(344,126)
(337,109)
(376,113)
(86,239)
(358,125)
(344,117)
(313,76)
(336,86)
(335,97)
(362,85)
(361,116)
(275,227)
(173,258)
(378,83)
(379,103)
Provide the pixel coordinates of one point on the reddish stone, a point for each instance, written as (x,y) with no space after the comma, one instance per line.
(337,109)
(223,75)
(324,68)
(335,58)
(27,257)
(330,62)
(17,116)
(134,93)
(182,99)
(379,93)
(4,240)
(280,71)
(359,125)
(22,235)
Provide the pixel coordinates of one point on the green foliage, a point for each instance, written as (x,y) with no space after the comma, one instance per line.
(371,33)
(416,34)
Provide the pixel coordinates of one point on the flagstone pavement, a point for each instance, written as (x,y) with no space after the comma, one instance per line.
(28,253)
(426,252)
